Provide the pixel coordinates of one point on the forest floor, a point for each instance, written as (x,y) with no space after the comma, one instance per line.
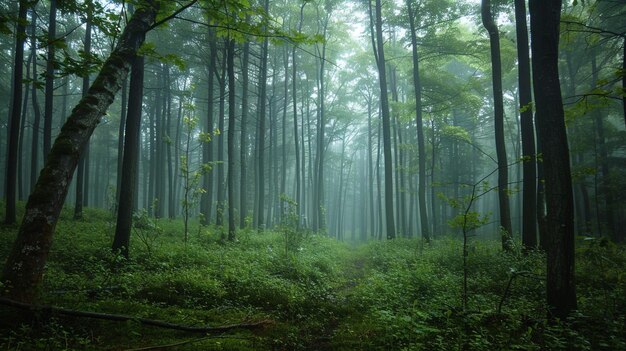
(308,292)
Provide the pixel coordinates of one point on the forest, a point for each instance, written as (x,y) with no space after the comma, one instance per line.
(313,175)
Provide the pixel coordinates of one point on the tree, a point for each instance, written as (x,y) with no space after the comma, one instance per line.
(421,148)
(230,62)
(24,267)
(503,170)
(16,111)
(49,97)
(557,226)
(384,106)
(529,191)
(127,194)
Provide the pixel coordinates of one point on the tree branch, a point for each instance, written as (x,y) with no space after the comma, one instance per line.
(124,318)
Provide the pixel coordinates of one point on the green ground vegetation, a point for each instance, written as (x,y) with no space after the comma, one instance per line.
(315,293)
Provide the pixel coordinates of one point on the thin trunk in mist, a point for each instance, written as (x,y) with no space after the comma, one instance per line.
(384,106)
(558,225)
(120,141)
(260,152)
(283,174)
(421,148)
(34,149)
(298,200)
(22,135)
(49,97)
(503,169)
(16,112)
(219,217)
(230,62)
(207,148)
(243,179)
(83,163)
(605,184)
(527,129)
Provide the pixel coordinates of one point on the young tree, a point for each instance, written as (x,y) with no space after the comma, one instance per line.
(558,225)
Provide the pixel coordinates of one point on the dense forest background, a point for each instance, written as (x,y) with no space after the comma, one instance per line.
(361,121)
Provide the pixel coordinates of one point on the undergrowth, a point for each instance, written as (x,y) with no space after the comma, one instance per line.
(317,293)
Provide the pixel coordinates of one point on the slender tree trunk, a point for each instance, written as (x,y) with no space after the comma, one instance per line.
(243,179)
(503,169)
(605,187)
(49,98)
(261,131)
(34,150)
(219,217)
(370,167)
(24,268)
(16,111)
(81,175)
(384,102)
(529,186)
(421,148)
(299,201)
(120,141)
(22,134)
(558,225)
(283,170)
(231,139)
(207,148)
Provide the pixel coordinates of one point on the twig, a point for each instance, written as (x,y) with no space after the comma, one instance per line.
(123,318)
(508,285)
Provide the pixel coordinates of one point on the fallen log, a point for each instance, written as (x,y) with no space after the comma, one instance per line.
(144,321)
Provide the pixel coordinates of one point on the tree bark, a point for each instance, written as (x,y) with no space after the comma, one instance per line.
(207,148)
(558,224)
(24,268)
(503,169)
(529,185)
(261,132)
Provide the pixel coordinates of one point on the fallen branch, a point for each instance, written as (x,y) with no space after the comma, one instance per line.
(161,347)
(123,318)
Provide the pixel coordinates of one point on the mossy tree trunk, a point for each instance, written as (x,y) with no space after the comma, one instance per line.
(24,268)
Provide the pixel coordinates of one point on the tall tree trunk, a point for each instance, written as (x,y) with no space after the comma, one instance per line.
(219,217)
(81,175)
(294,93)
(503,169)
(24,268)
(16,112)
(22,134)
(529,185)
(120,141)
(260,191)
(370,167)
(384,105)
(283,170)
(207,148)
(34,150)
(171,202)
(603,155)
(49,98)
(558,225)
(243,178)
(231,139)
(421,148)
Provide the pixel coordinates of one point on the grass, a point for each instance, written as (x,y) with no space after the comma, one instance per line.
(319,294)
